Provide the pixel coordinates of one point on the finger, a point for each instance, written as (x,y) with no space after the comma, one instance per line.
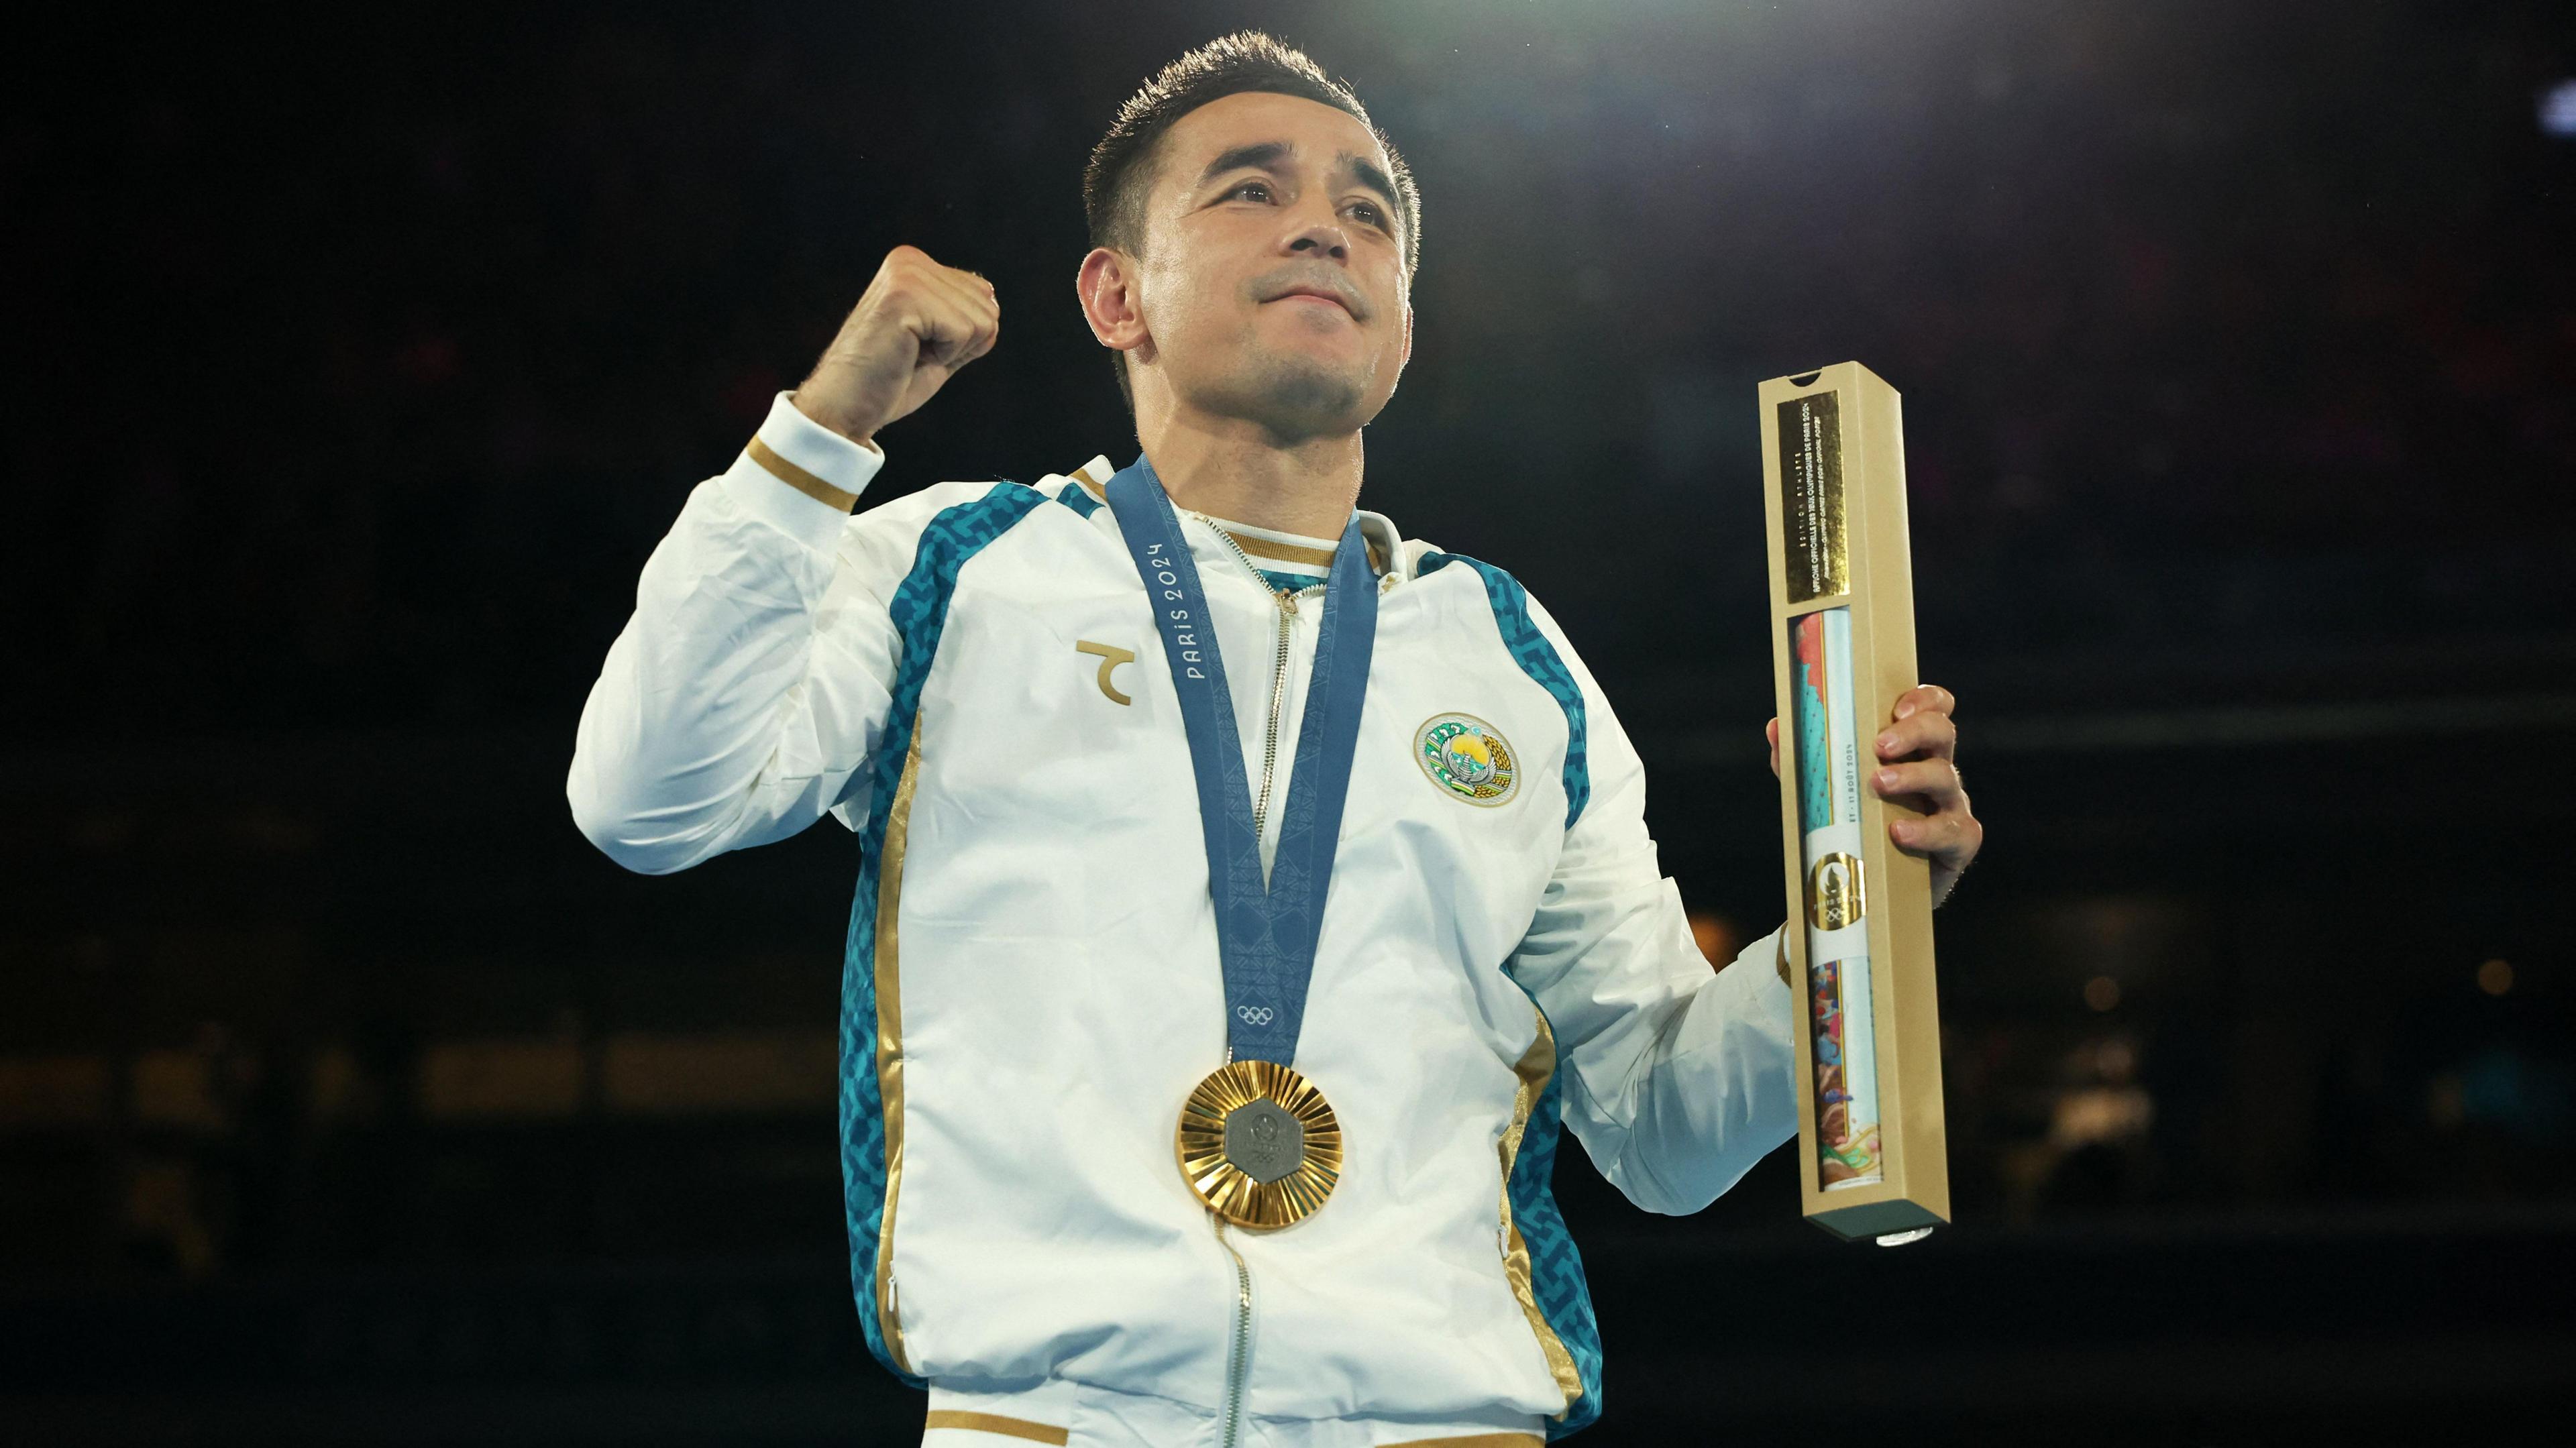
(956,327)
(1925,696)
(988,316)
(978,314)
(1923,733)
(906,277)
(1952,838)
(986,307)
(971,294)
(1771,732)
(1936,780)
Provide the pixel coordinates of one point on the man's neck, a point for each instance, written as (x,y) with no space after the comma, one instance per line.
(1232,469)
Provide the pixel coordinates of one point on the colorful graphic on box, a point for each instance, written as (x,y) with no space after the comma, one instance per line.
(1843,1040)
(1846,1143)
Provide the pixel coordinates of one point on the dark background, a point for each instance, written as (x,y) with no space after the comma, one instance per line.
(357,361)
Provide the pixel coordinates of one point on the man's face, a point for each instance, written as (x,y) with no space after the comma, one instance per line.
(1273,285)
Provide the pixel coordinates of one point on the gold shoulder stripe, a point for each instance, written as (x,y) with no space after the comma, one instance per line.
(799,479)
(996,1424)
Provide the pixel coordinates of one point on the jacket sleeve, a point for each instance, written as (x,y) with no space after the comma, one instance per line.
(1676,1079)
(745,694)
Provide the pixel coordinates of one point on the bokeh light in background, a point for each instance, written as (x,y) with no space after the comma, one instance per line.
(346,1095)
(2558,110)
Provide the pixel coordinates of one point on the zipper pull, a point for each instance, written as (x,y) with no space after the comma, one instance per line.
(1288,603)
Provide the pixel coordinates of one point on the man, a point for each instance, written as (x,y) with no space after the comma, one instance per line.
(1201,816)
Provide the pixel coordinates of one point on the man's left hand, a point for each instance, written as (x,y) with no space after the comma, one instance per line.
(1918,766)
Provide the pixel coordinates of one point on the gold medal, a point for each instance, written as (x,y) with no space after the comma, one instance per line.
(1259,1144)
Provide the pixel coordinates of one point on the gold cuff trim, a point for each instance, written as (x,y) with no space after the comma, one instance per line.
(799,479)
(889,977)
(1000,1426)
(1535,1066)
(1476,1440)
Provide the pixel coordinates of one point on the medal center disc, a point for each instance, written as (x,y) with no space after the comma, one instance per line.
(1263,1141)
(1259,1144)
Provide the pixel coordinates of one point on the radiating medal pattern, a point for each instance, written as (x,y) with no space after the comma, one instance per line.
(1259,1144)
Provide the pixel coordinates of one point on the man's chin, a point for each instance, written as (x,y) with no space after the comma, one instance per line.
(1297,398)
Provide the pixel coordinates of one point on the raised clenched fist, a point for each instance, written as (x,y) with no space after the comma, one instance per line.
(916,325)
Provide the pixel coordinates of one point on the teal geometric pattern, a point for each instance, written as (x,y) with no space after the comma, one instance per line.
(1079,499)
(920,612)
(1538,659)
(1556,1269)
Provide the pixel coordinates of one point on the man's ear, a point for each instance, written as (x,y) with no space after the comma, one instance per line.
(1106,285)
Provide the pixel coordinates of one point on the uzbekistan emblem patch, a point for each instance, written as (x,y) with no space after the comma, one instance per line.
(1469,758)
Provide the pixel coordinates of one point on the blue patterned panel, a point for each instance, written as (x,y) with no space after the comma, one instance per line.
(1556,1269)
(1539,659)
(1078,498)
(920,611)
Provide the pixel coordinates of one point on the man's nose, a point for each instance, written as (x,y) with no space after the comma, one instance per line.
(1321,238)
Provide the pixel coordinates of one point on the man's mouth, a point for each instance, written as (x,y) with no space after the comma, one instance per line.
(1319,294)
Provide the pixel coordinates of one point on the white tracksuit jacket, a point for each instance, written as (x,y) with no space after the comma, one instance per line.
(1031,985)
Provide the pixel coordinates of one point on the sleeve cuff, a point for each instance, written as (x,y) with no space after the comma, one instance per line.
(1763,986)
(800,476)
(1767,956)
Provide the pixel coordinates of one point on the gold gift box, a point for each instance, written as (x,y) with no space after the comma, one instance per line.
(1833,463)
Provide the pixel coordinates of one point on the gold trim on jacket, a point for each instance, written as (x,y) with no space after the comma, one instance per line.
(1535,1066)
(890,1036)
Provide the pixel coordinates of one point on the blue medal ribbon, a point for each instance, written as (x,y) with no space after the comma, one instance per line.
(1265,934)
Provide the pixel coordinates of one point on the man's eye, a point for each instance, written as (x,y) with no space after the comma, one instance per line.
(1242,186)
(1368,209)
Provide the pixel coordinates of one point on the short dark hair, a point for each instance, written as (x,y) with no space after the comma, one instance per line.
(1121,172)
